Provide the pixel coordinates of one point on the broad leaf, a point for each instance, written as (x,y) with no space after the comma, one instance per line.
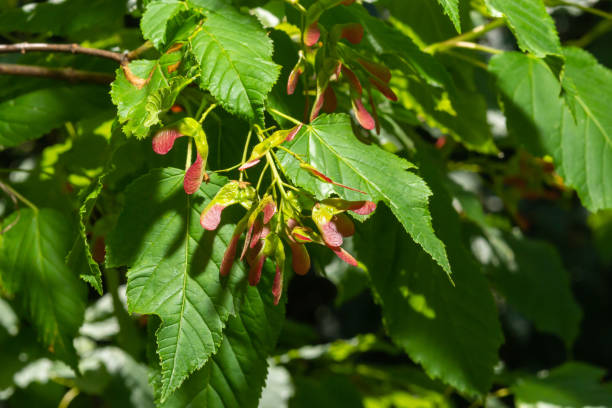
(585,149)
(31,115)
(530,99)
(139,106)
(174,269)
(533,27)
(577,134)
(330,146)
(441,326)
(238,73)
(573,384)
(155,19)
(530,275)
(451,8)
(32,266)
(235,375)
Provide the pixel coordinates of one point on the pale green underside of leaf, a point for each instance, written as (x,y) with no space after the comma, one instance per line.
(533,27)
(579,139)
(174,269)
(330,146)
(155,19)
(32,115)
(530,275)
(573,384)
(452,331)
(32,266)
(235,57)
(451,8)
(234,377)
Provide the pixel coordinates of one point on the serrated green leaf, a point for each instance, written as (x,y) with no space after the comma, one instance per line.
(235,57)
(531,24)
(452,331)
(139,109)
(530,99)
(31,115)
(155,19)
(174,269)
(79,258)
(235,375)
(330,146)
(531,276)
(32,266)
(571,385)
(585,148)
(577,133)
(451,8)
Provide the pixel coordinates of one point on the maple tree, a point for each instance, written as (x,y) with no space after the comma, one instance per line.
(175,172)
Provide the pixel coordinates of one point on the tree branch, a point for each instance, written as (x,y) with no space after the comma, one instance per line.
(66,74)
(68,48)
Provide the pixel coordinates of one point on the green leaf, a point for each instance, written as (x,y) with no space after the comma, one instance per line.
(155,19)
(32,266)
(235,57)
(585,149)
(330,146)
(531,276)
(530,99)
(577,133)
(76,19)
(139,108)
(451,8)
(452,331)
(31,115)
(531,24)
(174,269)
(235,375)
(79,258)
(571,385)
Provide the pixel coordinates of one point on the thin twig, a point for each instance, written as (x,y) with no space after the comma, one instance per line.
(468,36)
(15,194)
(478,47)
(586,9)
(146,46)
(66,74)
(68,48)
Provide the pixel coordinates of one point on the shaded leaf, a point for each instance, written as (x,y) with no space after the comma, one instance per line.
(235,375)
(174,270)
(31,115)
(32,266)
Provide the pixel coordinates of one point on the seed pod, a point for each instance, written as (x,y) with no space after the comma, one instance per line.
(376,69)
(352,32)
(363,116)
(384,89)
(352,79)
(312,35)
(232,193)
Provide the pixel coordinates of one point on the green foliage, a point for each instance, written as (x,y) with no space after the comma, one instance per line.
(305,203)
(32,267)
(174,271)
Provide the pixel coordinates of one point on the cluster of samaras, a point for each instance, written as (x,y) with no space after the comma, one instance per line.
(269,220)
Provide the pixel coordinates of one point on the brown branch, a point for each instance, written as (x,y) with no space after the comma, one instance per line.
(68,48)
(66,74)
